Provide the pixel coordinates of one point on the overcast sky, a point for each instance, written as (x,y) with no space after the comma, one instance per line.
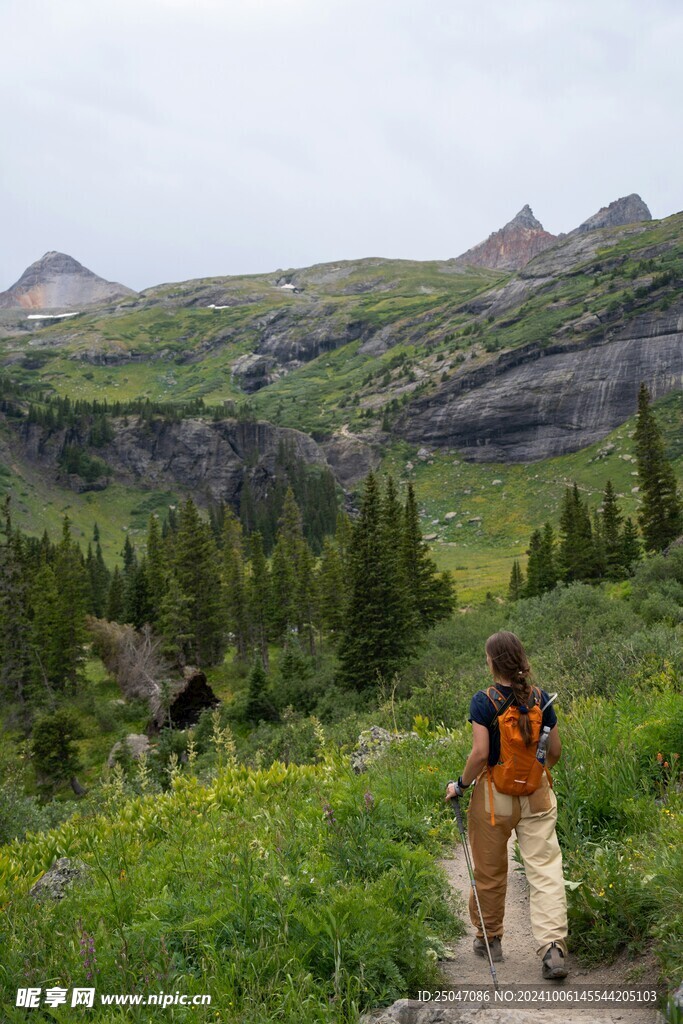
(159,140)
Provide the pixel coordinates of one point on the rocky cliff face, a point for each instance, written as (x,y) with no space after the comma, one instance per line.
(538,402)
(206,458)
(513,246)
(627,210)
(59,282)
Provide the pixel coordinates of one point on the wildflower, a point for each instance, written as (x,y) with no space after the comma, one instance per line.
(660,758)
(666,764)
(676,756)
(369,800)
(329,815)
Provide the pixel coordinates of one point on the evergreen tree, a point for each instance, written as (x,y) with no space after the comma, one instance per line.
(55,754)
(577,556)
(234,583)
(197,567)
(516,586)
(98,577)
(175,622)
(259,706)
(374,642)
(156,569)
(115,600)
(296,681)
(612,532)
(549,571)
(15,626)
(661,513)
(431,595)
(69,628)
(331,589)
(534,569)
(258,598)
(631,549)
(44,639)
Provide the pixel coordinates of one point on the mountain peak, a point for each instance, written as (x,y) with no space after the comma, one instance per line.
(513,245)
(627,210)
(525,219)
(57,280)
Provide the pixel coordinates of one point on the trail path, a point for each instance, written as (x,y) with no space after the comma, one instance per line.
(520,964)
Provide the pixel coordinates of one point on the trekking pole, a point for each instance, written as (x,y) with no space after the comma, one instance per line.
(461,828)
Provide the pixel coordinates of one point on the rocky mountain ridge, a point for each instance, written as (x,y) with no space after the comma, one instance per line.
(57,281)
(513,245)
(524,237)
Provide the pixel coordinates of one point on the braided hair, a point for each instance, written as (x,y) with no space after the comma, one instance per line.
(511,666)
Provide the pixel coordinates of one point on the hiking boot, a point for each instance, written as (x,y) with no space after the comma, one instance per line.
(553,963)
(494,946)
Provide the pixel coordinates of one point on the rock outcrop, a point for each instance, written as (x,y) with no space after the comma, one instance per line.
(512,246)
(58,281)
(540,401)
(135,744)
(627,210)
(208,458)
(63,873)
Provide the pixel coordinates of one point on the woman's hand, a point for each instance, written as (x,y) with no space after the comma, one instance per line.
(455,790)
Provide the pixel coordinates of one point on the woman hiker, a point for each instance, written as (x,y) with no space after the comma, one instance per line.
(513,791)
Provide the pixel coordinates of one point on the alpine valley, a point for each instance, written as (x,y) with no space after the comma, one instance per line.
(491,380)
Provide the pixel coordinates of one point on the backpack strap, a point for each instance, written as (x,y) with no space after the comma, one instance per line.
(499,702)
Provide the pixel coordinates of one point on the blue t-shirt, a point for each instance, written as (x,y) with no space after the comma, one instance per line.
(482,711)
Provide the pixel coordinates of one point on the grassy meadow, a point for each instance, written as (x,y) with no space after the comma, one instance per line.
(256,866)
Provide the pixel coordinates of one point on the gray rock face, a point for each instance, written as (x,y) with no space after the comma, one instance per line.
(627,210)
(534,403)
(202,456)
(57,281)
(350,458)
(57,879)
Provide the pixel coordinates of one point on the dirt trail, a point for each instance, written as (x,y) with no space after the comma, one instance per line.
(521,966)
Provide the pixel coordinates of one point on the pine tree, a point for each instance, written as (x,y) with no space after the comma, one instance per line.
(549,571)
(331,589)
(98,577)
(15,626)
(612,532)
(259,706)
(175,622)
(258,599)
(432,595)
(44,633)
(196,564)
(69,631)
(661,512)
(577,556)
(234,583)
(631,549)
(115,600)
(55,754)
(374,641)
(156,569)
(534,569)
(516,586)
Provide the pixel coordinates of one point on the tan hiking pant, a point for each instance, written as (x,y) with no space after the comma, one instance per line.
(533,818)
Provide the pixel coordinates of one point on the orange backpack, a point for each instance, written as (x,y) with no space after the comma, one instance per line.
(517,773)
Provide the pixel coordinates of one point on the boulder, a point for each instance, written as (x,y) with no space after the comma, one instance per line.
(136,744)
(372,743)
(58,878)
